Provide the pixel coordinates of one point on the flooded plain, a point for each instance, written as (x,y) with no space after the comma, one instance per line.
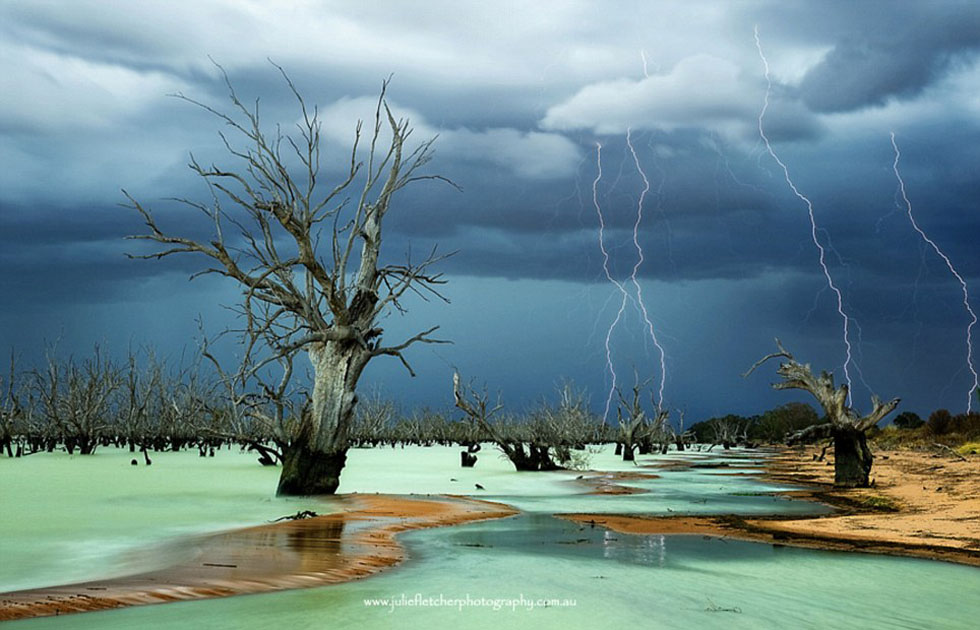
(69,519)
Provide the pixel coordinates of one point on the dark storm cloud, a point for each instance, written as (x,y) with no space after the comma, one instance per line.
(867,68)
(719,213)
(519,96)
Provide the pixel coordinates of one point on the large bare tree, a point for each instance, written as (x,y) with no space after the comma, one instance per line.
(852,457)
(307,256)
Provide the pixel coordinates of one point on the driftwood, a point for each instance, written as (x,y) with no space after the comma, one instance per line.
(943,447)
(298,516)
(810,434)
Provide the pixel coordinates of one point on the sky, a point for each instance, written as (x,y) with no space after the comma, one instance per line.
(535,107)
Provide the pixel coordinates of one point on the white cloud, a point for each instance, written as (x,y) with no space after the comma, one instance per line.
(505,45)
(700,91)
(533,154)
(50,92)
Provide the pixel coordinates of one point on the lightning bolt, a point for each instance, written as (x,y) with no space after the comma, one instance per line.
(952,270)
(605,268)
(639,263)
(813,221)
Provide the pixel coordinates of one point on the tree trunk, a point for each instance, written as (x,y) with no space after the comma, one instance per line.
(312,463)
(86,445)
(307,471)
(535,459)
(629,455)
(852,459)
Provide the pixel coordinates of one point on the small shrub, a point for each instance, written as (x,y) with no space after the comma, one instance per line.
(880,503)
(940,421)
(579,460)
(908,420)
(970,448)
(966,424)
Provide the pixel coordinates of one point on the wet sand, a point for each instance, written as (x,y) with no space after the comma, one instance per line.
(607,482)
(922,505)
(356,541)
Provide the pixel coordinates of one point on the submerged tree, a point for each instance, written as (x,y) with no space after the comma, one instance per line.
(539,442)
(639,433)
(307,256)
(852,457)
(77,398)
(11,409)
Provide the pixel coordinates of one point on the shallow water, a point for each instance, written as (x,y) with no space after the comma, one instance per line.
(72,518)
(614,579)
(643,581)
(693,491)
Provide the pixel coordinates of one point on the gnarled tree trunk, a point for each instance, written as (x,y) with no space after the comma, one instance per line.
(313,461)
(852,457)
(536,458)
(307,471)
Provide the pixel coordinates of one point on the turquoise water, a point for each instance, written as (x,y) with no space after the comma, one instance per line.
(502,572)
(73,518)
(643,581)
(693,491)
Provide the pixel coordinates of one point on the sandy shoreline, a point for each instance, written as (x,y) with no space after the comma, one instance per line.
(355,542)
(922,505)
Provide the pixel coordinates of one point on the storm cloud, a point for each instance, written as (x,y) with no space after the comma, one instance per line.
(519,99)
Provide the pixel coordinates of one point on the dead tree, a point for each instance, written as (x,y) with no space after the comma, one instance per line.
(726,431)
(258,409)
(77,399)
(568,425)
(373,417)
(325,301)
(524,451)
(852,457)
(678,435)
(632,424)
(134,409)
(637,432)
(11,409)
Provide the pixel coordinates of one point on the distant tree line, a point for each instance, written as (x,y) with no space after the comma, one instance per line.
(770,427)
(940,427)
(81,404)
